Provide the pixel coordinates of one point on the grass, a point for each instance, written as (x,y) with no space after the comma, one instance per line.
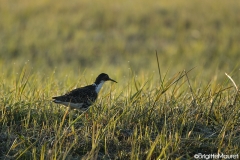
(173,107)
(143,121)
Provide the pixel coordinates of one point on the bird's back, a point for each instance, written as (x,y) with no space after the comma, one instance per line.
(84,95)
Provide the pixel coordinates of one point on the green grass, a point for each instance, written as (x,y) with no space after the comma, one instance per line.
(50,47)
(145,120)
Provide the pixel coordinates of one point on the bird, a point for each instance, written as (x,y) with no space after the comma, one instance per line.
(82,98)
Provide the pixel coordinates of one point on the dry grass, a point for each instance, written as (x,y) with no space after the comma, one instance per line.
(50,47)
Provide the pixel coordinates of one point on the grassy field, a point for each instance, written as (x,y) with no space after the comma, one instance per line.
(174,108)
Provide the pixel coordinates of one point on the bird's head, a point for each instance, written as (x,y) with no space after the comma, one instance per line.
(103,77)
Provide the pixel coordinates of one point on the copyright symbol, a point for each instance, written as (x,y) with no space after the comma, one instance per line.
(196,156)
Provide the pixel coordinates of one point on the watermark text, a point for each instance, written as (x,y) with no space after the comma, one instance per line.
(216,156)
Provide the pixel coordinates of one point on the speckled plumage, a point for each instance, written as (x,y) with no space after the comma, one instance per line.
(82,98)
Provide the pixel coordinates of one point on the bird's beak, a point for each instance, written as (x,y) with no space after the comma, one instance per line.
(112,80)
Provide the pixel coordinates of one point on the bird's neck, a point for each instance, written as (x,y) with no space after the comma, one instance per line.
(98,86)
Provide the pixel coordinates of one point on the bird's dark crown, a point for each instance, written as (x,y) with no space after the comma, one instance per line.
(103,77)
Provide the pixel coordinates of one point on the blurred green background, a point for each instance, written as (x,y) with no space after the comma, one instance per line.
(88,37)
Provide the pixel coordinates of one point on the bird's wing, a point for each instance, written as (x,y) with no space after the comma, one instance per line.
(79,95)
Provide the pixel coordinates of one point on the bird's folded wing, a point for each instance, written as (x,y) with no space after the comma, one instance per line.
(79,95)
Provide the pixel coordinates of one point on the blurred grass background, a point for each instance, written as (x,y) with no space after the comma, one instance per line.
(49,47)
(112,36)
